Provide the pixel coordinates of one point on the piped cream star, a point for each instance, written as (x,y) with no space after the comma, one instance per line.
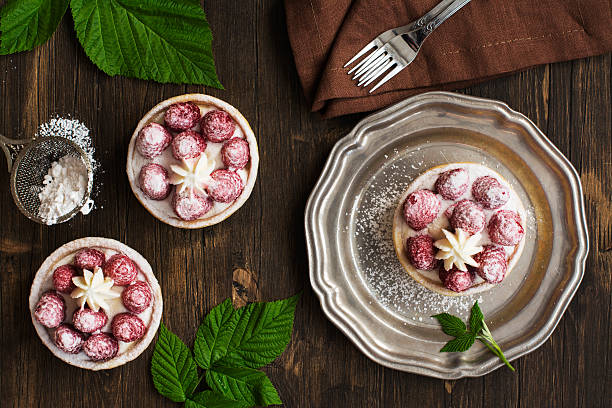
(193,174)
(94,289)
(457,249)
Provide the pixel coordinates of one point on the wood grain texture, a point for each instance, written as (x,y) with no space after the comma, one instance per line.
(571,102)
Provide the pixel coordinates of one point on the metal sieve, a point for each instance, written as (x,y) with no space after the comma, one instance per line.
(29,161)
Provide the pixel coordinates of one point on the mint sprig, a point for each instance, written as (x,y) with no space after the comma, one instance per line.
(231,344)
(464,338)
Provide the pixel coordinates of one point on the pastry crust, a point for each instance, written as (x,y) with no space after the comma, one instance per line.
(41,284)
(252,166)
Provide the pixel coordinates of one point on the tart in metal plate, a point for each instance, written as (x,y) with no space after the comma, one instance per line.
(354,270)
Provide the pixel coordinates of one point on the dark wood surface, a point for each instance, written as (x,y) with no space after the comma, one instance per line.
(570,102)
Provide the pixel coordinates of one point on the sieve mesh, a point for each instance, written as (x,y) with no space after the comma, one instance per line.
(32,165)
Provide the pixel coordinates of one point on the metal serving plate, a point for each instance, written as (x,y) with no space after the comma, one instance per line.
(353,268)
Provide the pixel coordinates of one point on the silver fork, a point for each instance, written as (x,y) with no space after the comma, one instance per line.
(397,53)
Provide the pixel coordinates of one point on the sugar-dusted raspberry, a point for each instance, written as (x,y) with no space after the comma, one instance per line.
(137,297)
(468,216)
(505,228)
(188,145)
(492,263)
(489,192)
(101,346)
(89,258)
(68,339)
(152,140)
(452,183)
(235,153)
(62,278)
(456,280)
(89,321)
(420,208)
(191,206)
(182,116)
(420,251)
(154,181)
(225,186)
(218,126)
(50,310)
(120,269)
(128,327)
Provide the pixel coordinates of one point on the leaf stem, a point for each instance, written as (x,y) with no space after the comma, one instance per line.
(487,338)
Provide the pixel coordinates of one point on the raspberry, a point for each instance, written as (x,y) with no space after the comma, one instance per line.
(152,140)
(182,116)
(154,182)
(69,340)
(128,327)
(190,207)
(468,216)
(452,183)
(89,321)
(421,252)
(225,187)
(235,153)
(137,297)
(218,126)
(50,310)
(456,280)
(62,278)
(101,346)
(188,145)
(89,258)
(420,208)
(120,269)
(489,192)
(492,263)
(505,228)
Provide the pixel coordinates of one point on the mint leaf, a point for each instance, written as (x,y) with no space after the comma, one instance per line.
(461,343)
(211,399)
(214,334)
(451,325)
(162,40)
(243,384)
(476,318)
(27,24)
(174,372)
(262,332)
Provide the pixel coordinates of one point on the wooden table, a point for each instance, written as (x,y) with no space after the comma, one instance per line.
(570,102)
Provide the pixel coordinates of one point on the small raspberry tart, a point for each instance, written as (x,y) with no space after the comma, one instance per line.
(459,229)
(77,325)
(211,161)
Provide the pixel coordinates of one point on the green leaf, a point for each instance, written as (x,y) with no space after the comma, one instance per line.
(476,318)
(214,334)
(262,332)
(174,372)
(461,343)
(211,399)
(27,24)
(243,384)
(451,325)
(162,40)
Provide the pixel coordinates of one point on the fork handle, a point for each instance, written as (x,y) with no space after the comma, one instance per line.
(423,20)
(450,9)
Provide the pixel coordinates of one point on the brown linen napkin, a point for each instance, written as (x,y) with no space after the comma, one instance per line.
(486,39)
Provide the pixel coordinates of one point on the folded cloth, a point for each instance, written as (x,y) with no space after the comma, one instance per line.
(485,39)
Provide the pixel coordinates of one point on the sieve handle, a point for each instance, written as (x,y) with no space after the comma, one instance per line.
(11,148)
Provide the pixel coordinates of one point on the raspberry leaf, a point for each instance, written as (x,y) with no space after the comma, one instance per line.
(27,24)
(476,318)
(461,343)
(214,334)
(211,399)
(451,325)
(243,384)
(174,372)
(162,40)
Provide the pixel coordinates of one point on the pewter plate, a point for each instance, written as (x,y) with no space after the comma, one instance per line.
(353,268)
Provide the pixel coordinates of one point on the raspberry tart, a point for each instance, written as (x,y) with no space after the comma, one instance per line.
(192,161)
(95,303)
(459,229)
